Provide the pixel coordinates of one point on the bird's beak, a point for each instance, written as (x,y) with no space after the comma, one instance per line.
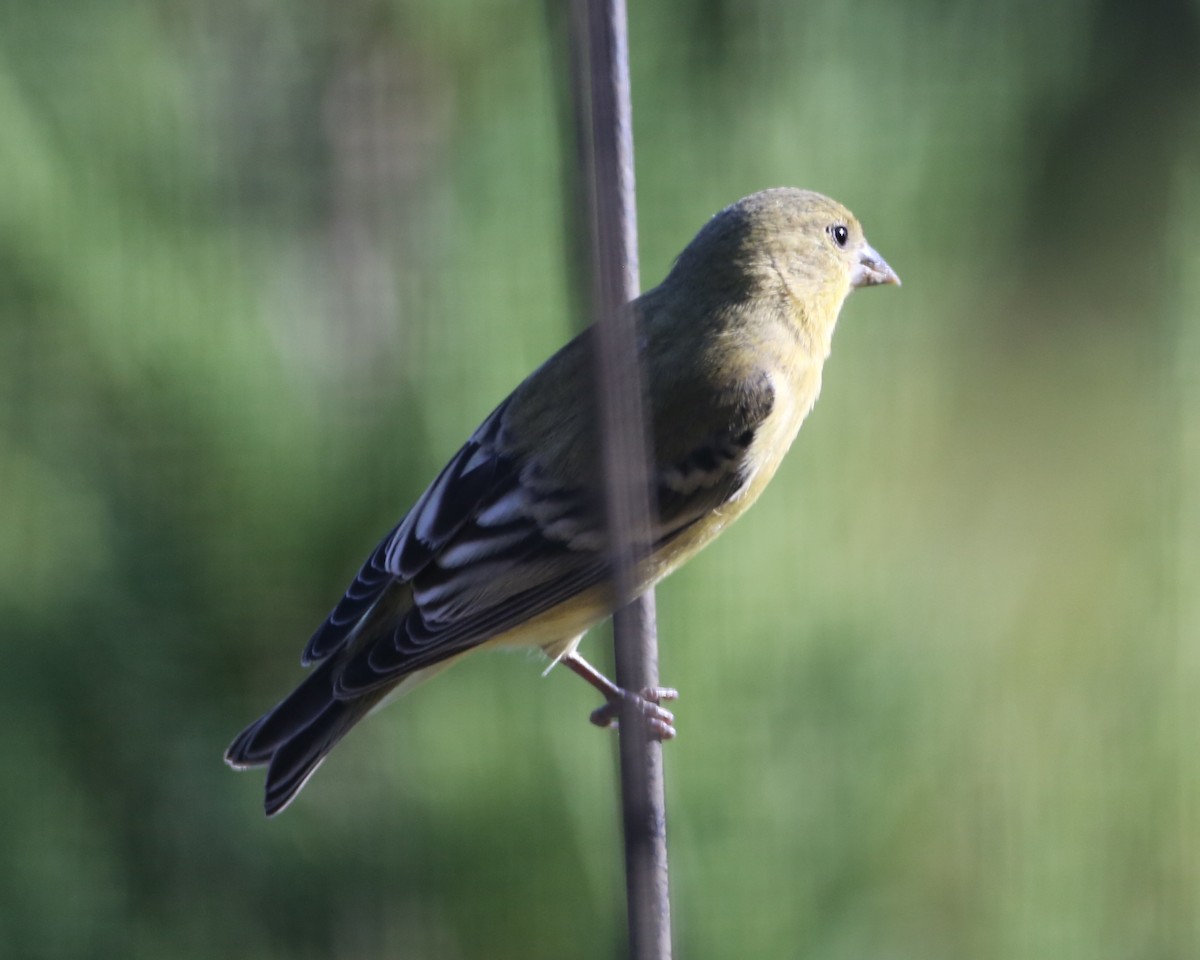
(872,269)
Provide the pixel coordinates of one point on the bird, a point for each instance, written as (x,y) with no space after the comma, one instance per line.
(507,546)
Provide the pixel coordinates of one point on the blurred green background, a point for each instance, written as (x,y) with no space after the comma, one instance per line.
(264,265)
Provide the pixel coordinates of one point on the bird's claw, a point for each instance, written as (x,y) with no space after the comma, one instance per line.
(660,722)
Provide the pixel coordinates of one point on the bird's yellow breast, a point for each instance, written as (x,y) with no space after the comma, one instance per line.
(794,398)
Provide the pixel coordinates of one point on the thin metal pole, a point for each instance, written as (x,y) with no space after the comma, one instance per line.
(605,114)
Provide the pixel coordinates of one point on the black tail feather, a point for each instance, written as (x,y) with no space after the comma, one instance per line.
(294,737)
(297,759)
(255,745)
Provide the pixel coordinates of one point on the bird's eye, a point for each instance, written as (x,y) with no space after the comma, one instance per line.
(839,233)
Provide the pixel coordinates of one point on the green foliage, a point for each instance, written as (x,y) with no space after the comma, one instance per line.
(262,268)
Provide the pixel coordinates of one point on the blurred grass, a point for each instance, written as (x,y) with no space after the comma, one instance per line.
(263,268)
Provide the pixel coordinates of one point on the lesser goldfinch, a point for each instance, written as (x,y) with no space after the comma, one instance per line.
(507,546)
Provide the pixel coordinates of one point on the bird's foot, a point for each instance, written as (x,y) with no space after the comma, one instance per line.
(659,721)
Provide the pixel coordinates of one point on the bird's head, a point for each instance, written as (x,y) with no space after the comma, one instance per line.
(788,245)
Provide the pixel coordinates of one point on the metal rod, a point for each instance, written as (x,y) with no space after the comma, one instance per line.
(604,111)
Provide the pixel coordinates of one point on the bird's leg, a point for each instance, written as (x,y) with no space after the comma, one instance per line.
(660,720)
